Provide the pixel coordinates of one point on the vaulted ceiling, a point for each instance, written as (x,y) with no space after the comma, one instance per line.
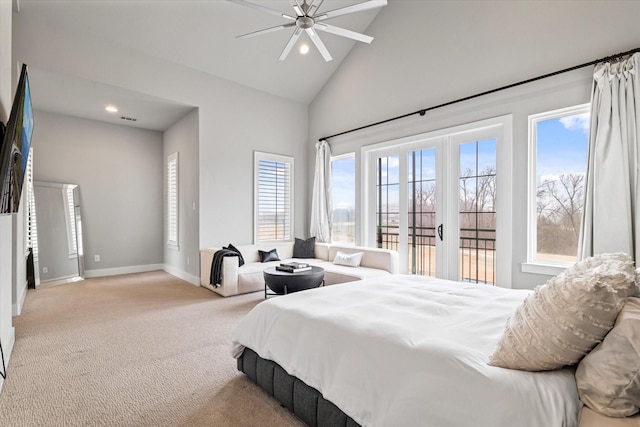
(199,34)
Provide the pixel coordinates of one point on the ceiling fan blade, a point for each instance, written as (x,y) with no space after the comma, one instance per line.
(321,47)
(290,44)
(372,4)
(296,6)
(313,6)
(266,31)
(263,8)
(343,32)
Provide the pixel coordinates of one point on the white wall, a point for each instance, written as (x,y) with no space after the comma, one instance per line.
(428,53)
(183,138)
(119,173)
(7,332)
(234,121)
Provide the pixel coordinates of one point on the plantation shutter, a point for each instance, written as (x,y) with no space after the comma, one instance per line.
(32,227)
(70,216)
(172,200)
(274,200)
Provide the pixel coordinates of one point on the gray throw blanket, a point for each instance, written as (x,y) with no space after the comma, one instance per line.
(216,265)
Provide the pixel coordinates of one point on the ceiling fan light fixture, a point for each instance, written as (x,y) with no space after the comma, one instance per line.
(304,49)
(308,19)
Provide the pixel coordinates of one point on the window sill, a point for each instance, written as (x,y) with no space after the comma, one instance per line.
(173,247)
(547,269)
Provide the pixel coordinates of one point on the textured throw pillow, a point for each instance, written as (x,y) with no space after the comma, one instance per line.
(350,260)
(234,249)
(565,318)
(608,378)
(304,248)
(266,256)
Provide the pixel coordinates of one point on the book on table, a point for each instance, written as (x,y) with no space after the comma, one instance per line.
(294,264)
(291,269)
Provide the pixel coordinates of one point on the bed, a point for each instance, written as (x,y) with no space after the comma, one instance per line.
(406,350)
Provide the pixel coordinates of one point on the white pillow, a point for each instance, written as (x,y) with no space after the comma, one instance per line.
(350,260)
(608,378)
(566,317)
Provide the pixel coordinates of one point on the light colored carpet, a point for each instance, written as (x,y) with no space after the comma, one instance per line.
(134,350)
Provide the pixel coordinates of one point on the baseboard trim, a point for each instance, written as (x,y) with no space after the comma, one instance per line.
(122,270)
(7,349)
(17,307)
(181,274)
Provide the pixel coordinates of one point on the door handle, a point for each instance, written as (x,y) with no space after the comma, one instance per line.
(440,232)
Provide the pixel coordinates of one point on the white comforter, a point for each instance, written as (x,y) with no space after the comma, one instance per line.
(408,351)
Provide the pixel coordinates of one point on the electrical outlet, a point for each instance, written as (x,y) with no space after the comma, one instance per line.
(96,258)
(187,260)
(45,270)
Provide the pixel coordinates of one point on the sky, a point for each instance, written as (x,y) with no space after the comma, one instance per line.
(562,146)
(343,182)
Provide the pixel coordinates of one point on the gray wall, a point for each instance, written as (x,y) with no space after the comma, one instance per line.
(119,172)
(428,53)
(183,138)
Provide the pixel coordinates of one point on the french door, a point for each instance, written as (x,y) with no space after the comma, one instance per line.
(437,199)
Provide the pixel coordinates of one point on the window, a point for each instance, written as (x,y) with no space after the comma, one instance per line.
(558,143)
(343,192)
(273,197)
(172,201)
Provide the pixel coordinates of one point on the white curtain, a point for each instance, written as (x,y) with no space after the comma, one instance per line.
(321,202)
(611,218)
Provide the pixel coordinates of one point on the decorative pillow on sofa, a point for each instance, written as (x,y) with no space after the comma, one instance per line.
(608,378)
(565,318)
(266,256)
(234,249)
(350,260)
(304,248)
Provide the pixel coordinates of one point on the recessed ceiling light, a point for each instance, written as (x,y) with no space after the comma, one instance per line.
(111,109)
(304,49)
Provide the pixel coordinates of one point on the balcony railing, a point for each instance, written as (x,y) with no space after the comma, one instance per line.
(477,248)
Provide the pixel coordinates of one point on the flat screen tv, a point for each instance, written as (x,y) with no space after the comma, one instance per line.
(14,151)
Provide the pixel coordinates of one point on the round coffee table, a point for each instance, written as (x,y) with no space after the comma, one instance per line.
(282,282)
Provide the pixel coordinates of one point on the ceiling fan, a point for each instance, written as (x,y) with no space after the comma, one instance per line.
(308,19)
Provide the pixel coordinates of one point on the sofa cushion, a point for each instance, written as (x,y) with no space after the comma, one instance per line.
(266,256)
(304,248)
(322,251)
(349,260)
(334,274)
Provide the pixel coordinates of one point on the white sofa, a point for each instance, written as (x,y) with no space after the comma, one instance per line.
(248,278)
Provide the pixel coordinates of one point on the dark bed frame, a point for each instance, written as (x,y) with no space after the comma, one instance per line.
(305,402)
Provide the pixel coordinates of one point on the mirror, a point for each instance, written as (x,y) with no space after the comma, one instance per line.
(59,256)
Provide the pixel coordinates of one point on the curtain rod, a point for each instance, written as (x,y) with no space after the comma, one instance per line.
(423,111)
